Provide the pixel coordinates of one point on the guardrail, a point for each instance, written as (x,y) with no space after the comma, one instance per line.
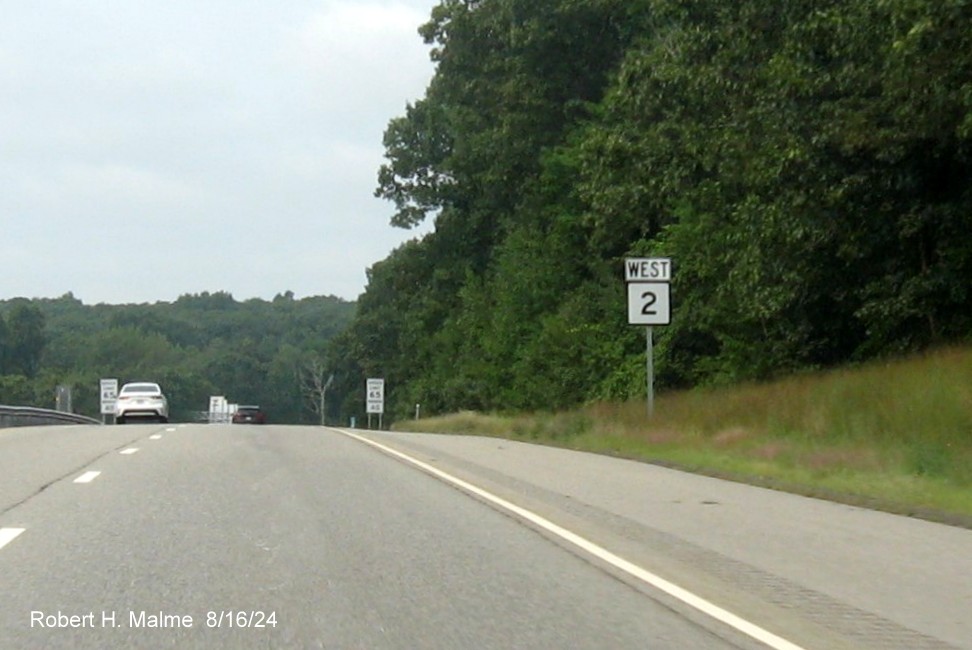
(26,416)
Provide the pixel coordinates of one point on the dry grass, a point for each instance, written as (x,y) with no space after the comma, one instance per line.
(896,435)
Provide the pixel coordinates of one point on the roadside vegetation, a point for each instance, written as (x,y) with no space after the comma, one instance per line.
(895,436)
(805,164)
(253,351)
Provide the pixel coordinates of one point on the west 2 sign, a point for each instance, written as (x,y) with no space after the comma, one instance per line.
(649,303)
(649,295)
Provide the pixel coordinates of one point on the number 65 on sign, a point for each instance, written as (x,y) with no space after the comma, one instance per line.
(649,303)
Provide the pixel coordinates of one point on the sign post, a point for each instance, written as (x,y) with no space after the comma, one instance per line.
(375,399)
(649,304)
(109,397)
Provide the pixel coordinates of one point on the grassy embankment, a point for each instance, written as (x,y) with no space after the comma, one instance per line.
(893,436)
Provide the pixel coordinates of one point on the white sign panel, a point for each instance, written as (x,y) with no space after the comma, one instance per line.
(649,303)
(218,409)
(109,396)
(375,395)
(647,269)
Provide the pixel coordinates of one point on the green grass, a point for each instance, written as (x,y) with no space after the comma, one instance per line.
(893,436)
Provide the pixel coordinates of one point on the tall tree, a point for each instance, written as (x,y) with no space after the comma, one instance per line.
(26,338)
(804,162)
(4,343)
(470,153)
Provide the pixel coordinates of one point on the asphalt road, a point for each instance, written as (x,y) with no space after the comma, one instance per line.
(325,542)
(303,537)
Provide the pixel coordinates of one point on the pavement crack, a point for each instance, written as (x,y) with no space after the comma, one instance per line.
(72,472)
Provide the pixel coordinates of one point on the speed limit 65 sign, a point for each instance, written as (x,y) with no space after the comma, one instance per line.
(375,399)
(649,303)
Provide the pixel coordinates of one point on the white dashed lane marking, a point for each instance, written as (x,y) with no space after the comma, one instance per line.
(8,535)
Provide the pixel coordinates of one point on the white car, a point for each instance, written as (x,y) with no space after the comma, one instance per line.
(141,400)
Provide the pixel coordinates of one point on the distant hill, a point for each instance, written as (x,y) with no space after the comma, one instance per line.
(253,351)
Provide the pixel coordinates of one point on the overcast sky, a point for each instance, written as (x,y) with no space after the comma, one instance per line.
(152,148)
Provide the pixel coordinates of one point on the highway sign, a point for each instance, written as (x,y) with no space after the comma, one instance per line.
(647,269)
(375,396)
(218,409)
(109,396)
(649,303)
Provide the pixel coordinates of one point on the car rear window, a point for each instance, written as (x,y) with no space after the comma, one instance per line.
(140,388)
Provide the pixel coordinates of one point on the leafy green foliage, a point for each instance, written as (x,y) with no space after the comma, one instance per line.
(22,339)
(804,163)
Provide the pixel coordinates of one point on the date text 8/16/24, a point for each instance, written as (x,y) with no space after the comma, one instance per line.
(241,618)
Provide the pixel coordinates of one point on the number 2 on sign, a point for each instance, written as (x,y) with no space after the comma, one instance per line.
(651,299)
(648,303)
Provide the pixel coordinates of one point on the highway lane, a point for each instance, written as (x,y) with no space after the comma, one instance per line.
(323,540)
(819,573)
(32,457)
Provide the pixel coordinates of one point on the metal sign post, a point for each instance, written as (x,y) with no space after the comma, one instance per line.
(649,304)
(650,371)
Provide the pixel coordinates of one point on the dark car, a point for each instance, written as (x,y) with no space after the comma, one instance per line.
(250,414)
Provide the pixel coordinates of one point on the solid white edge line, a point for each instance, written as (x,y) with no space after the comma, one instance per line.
(87,477)
(130,450)
(692,600)
(8,535)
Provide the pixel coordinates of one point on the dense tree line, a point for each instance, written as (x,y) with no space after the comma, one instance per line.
(254,351)
(22,339)
(805,163)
